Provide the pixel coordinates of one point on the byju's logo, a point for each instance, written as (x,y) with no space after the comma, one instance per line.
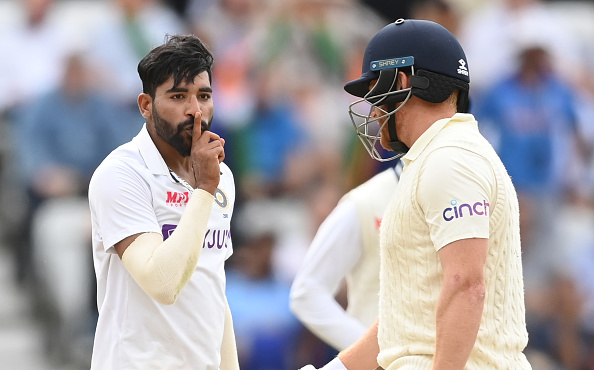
(465,209)
(213,239)
(462,69)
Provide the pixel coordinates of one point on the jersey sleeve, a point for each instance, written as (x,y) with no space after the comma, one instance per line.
(334,251)
(121,204)
(455,193)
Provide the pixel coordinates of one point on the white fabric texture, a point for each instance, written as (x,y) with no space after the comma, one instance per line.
(345,246)
(156,265)
(132,192)
(229,359)
(335,364)
(411,273)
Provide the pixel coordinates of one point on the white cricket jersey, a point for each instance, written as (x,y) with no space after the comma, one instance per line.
(132,192)
(345,246)
(453,187)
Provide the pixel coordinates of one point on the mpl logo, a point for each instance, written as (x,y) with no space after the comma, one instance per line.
(465,209)
(177,199)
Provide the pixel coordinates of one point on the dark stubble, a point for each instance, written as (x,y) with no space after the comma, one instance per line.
(173,135)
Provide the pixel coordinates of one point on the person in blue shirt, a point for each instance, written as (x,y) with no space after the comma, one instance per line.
(57,143)
(532,119)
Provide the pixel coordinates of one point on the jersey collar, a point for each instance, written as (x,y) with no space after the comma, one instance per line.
(149,152)
(419,146)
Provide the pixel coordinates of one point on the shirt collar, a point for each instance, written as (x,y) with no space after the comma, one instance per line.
(419,146)
(149,152)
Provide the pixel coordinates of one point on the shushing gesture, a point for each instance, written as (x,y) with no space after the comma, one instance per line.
(207,154)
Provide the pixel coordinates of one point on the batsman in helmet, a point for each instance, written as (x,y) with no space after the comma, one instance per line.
(451,290)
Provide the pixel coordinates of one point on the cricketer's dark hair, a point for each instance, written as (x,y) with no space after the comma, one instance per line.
(182,57)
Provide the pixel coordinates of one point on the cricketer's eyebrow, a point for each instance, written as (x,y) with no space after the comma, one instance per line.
(175,89)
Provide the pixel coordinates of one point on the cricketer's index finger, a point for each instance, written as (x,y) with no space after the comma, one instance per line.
(197,129)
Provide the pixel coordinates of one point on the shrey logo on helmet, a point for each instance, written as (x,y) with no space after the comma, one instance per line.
(391,63)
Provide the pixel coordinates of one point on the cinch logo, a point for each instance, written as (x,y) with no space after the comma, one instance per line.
(458,211)
(176,199)
(462,69)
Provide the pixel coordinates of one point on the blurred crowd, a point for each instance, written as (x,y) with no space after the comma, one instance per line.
(68,90)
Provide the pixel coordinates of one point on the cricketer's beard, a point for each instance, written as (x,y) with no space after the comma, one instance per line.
(174,135)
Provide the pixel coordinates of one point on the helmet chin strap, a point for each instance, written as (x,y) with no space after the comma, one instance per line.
(395,144)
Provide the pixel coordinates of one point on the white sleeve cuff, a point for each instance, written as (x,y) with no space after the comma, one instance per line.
(335,364)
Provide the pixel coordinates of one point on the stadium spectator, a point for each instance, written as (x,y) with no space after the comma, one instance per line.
(531,117)
(120,41)
(59,141)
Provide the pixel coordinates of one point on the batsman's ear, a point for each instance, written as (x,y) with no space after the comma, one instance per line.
(145,104)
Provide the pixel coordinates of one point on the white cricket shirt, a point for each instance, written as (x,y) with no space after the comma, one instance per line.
(133,192)
(453,187)
(345,246)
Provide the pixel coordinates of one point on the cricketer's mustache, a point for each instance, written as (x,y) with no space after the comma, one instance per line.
(189,124)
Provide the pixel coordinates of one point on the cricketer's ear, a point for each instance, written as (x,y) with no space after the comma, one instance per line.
(145,104)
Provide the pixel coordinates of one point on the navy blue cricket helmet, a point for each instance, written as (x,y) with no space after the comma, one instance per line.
(429,53)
